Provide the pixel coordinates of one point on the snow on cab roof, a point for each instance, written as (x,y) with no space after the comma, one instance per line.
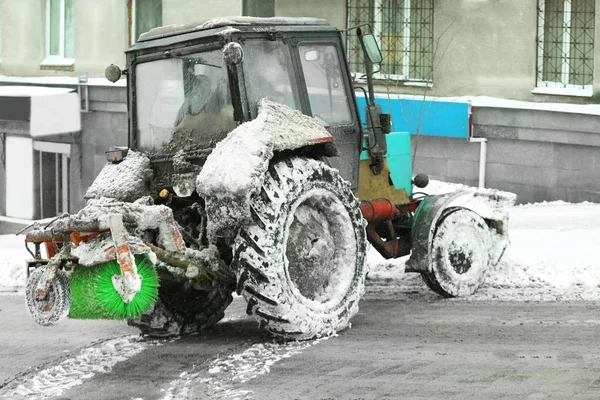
(170,30)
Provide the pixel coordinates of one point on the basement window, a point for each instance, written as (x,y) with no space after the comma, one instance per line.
(565,62)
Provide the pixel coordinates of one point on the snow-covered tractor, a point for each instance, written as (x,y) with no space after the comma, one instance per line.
(249,170)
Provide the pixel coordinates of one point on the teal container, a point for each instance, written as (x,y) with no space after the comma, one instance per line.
(398,158)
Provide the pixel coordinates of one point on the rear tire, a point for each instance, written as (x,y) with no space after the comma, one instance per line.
(459,253)
(181,309)
(301,265)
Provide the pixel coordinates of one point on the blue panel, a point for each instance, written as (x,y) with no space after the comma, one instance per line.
(437,118)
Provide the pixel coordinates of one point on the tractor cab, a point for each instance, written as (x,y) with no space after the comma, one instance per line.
(189,86)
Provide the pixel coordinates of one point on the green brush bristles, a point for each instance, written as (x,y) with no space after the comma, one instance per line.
(93,295)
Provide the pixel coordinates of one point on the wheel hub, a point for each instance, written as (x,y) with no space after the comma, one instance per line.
(319,248)
(461,258)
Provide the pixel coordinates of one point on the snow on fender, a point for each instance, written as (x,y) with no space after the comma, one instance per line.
(235,169)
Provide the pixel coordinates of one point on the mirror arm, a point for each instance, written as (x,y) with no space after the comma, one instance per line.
(375,134)
(368,68)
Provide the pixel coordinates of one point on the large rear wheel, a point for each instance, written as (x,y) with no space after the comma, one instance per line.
(301,265)
(459,254)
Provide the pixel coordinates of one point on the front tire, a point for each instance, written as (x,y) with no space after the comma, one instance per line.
(55,306)
(459,254)
(301,265)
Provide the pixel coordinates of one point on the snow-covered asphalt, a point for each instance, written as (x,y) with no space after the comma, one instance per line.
(528,333)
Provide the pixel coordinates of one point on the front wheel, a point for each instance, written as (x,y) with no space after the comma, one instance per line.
(301,265)
(53,307)
(459,254)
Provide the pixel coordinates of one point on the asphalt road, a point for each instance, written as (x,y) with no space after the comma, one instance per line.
(406,348)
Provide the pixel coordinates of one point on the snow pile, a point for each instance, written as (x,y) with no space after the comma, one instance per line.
(56,380)
(227,373)
(13,257)
(554,254)
(125,181)
(235,169)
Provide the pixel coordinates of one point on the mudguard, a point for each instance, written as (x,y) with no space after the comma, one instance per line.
(491,205)
(227,186)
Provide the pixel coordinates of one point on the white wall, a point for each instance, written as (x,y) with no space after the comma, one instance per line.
(19,177)
(185,11)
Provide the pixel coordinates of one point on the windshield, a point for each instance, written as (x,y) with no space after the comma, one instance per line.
(183,103)
(268,73)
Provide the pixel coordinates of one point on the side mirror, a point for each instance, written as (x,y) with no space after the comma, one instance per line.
(371,48)
(113,73)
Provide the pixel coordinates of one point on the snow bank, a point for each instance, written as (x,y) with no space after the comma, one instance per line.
(12,262)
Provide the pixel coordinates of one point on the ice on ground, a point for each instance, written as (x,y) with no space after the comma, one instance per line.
(55,381)
(225,375)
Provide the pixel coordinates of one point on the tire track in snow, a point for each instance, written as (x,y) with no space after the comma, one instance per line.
(98,358)
(225,373)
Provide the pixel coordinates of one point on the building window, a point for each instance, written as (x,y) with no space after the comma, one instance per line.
(59,32)
(51,178)
(565,46)
(0,30)
(143,16)
(404,31)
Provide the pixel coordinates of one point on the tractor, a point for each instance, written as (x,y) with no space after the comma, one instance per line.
(249,170)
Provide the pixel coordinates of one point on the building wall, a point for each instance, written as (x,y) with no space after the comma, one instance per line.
(185,11)
(100,37)
(104,126)
(489,48)
(23,37)
(540,155)
(485,47)
(333,11)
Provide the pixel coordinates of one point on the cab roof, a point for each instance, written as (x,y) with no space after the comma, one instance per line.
(235,22)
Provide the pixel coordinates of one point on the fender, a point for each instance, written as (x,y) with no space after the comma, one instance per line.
(491,205)
(227,186)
